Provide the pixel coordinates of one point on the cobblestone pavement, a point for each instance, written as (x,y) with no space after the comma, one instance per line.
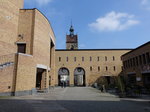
(73,99)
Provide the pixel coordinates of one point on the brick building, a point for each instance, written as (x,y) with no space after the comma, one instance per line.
(27,49)
(136,64)
(84,67)
(30,63)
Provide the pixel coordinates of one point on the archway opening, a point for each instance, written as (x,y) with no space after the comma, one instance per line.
(79,77)
(63,77)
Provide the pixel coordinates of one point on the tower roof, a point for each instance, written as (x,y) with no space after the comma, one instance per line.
(71,29)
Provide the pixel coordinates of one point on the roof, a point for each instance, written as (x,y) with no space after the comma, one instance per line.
(137,48)
(91,49)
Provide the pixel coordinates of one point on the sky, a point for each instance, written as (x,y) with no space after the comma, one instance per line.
(100,24)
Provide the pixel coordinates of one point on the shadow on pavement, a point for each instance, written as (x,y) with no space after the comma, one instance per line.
(12,105)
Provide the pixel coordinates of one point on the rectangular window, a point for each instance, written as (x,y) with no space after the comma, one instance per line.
(75,59)
(67,59)
(144,59)
(140,59)
(133,62)
(128,63)
(114,68)
(82,58)
(98,68)
(148,57)
(137,62)
(21,48)
(106,68)
(124,64)
(113,58)
(105,58)
(90,58)
(90,68)
(98,58)
(59,59)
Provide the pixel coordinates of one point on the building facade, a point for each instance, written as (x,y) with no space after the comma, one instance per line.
(136,64)
(84,67)
(29,62)
(27,50)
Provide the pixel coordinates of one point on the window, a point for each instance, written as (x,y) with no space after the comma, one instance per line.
(144,59)
(140,59)
(128,64)
(114,68)
(131,64)
(82,58)
(134,62)
(67,59)
(113,58)
(124,64)
(59,59)
(90,68)
(148,57)
(75,59)
(137,62)
(90,58)
(21,48)
(105,58)
(106,68)
(98,68)
(98,58)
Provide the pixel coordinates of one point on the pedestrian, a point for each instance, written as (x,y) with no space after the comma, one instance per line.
(64,84)
(101,87)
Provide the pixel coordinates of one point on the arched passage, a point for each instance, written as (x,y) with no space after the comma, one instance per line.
(79,77)
(63,76)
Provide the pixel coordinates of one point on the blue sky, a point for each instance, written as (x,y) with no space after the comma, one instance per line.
(98,23)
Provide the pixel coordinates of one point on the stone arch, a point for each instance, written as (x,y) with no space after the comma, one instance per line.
(79,77)
(63,76)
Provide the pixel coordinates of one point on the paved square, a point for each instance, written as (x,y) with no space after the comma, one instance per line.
(73,99)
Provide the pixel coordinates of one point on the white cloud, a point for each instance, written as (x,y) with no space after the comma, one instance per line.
(43,2)
(146,4)
(114,22)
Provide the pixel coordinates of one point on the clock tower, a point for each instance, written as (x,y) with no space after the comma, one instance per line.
(71,40)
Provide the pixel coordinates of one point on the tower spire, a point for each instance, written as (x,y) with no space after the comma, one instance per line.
(71,29)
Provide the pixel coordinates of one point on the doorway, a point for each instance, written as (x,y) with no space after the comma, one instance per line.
(79,77)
